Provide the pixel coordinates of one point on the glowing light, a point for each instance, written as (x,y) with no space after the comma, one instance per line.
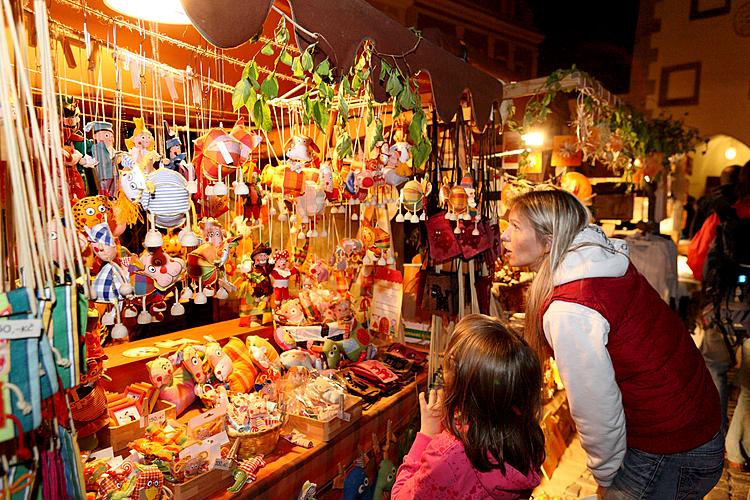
(730,153)
(162,11)
(533,139)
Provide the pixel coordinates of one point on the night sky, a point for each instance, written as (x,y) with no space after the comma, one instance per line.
(596,36)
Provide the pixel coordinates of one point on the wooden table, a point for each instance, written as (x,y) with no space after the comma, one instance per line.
(288,467)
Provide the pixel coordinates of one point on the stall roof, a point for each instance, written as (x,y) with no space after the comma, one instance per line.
(340,28)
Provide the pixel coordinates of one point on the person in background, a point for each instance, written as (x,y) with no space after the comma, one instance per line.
(718,199)
(480,438)
(645,408)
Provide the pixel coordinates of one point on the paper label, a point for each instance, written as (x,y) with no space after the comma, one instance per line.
(154,418)
(107,453)
(203,418)
(222,464)
(13,329)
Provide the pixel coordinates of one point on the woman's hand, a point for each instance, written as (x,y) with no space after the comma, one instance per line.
(431,411)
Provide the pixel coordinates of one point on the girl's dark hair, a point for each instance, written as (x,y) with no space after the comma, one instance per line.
(493,383)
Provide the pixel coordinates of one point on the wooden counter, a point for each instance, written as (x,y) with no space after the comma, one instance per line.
(124,370)
(288,467)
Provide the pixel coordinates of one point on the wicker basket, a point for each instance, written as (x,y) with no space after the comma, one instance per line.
(255,443)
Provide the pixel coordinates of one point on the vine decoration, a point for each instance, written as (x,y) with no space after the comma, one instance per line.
(323,96)
(616,135)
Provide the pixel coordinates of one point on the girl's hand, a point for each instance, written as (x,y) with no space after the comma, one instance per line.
(431,411)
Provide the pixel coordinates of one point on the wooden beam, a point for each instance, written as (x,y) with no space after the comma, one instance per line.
(573,81)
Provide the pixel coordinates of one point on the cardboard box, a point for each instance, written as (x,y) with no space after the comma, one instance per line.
(326,430)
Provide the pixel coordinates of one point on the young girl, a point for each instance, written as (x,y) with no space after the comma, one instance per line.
(481,439)
(627,361)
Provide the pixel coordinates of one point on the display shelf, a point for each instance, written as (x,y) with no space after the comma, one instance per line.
(123,370)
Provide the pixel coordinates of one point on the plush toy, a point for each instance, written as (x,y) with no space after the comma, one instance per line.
(413,196)
(206,263)
(386,478)
(353,349)
(280,276)
(163,272)
(245,473)
(263,354)
(297,357)
(192,360)
(93,210)
(357,485)
(145,483)
(254,286)
(174,385)
(290,313)
(232,365)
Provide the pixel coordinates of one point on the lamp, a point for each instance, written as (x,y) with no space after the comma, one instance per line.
(533,138)
(730,153)
(163,11)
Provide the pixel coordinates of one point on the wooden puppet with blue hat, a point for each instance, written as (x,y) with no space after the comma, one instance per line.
(104,154)
(175,156)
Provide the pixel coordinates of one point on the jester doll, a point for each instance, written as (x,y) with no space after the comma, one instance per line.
(254,286)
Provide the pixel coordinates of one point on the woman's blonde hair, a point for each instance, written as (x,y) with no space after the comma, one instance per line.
(493,403)
(556,216)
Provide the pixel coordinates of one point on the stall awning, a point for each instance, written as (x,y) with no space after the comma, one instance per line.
(340,28)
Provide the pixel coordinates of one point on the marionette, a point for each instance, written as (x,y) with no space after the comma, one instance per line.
(140,143)
(280,276)
(70,120)
(104,154)
(257,301)
(206,263)
(175,156)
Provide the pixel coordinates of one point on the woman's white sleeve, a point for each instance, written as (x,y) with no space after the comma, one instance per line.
(578,336)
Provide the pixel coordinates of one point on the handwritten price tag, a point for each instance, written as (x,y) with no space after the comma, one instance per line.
(155,418)
(222,464)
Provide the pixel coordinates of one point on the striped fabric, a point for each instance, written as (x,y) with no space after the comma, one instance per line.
(170,199)
(244,373)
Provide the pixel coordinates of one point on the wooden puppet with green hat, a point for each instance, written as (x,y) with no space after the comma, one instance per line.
(104,154)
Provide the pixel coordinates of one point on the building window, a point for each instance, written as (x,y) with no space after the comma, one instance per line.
(424,22)
(523,59)
(477,40)
(502,51)
(701,9)
(680,85)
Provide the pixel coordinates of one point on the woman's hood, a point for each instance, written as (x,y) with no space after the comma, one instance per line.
(593,255)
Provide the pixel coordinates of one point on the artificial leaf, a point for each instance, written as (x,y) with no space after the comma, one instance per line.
(343,107)
(344,145)
(345,88)
(420,152)
(416,126)
(281,33)
(307,60)
(369,116)
(266,123)
(356,83)
(241,93)
(297,68)
(406,98)
(324,68)
(252,96)
(385,69)
(394,86)
(317,79)
(286,57)
(270,87)
(377,135)
(267,49)
(250,71)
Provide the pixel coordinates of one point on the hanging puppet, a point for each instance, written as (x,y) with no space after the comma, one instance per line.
(280,276)
(255,286)
(140,143)
(70,121)
(206,263)
(104,154)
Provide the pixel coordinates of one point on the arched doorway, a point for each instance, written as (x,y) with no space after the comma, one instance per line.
(708,161)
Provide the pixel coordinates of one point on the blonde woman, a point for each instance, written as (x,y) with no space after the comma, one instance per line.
(646,409)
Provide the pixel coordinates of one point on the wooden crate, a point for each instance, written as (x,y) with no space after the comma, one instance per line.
(202,486)
(121,435)
(326,430)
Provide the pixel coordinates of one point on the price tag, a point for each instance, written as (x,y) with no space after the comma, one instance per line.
(154,418)
(107,453)
(222,464)
(342,414)
(13,329)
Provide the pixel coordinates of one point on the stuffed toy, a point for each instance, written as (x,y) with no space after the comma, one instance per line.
(206,263)
(357,485)
(297,357)
(254,286)
(412,197)
(232,365)
(139,144)
(145,483)
(263,354)
(280,276)
(290,313)
(386,478)
(352,349)
(192,360)
(174,385)
(157,274)
(245,473)
(93,210)
(330,181)
(104,154)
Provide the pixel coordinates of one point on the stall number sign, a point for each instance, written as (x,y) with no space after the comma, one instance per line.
(14,329)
